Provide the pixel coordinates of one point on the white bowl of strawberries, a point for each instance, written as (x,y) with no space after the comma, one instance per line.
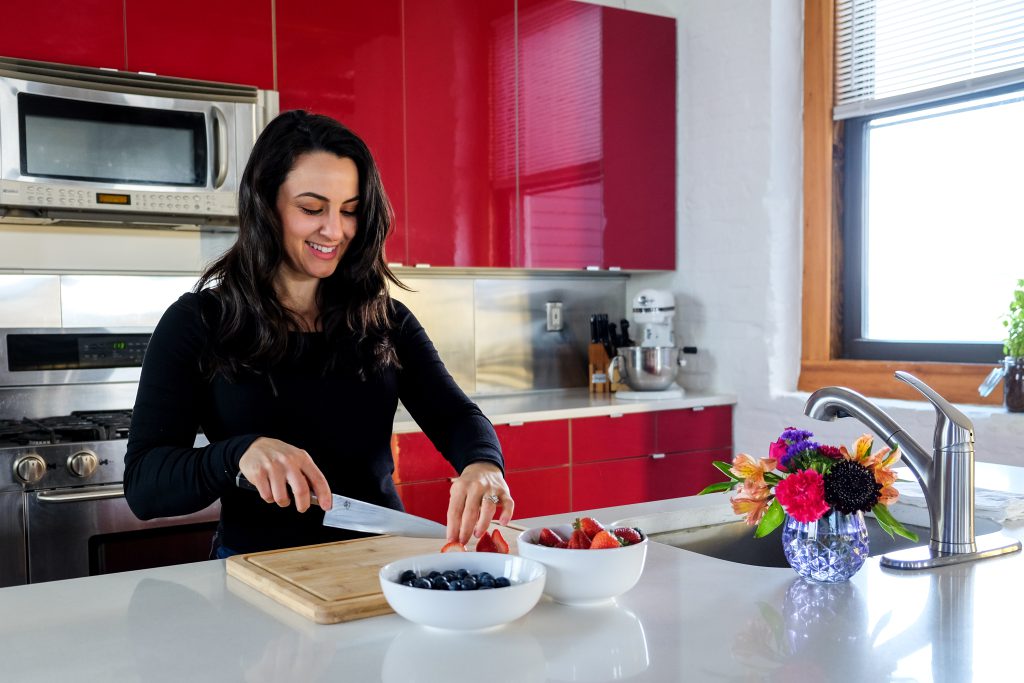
(587,564)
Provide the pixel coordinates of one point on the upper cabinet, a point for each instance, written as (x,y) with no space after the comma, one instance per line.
(84,33)
(596,135)
(227,40)
(344,59)
(460,132)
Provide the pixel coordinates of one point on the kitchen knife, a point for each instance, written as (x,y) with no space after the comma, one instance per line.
(357,515)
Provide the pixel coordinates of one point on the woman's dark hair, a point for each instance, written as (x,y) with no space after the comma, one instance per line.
(249,325)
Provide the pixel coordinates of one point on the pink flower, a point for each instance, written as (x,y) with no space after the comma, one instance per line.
(802,495)
(751,501)
(777,450)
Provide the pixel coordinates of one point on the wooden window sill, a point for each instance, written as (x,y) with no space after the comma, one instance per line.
(956,382)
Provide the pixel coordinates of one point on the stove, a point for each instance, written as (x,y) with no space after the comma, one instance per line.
(63,438)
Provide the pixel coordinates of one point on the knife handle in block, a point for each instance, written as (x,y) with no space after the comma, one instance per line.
(598,368)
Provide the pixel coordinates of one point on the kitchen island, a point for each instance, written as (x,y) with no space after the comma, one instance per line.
(690,617)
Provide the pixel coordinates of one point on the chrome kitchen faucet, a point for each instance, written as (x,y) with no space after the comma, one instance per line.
(946,476)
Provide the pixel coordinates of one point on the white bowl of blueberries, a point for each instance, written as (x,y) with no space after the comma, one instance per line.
(463,591)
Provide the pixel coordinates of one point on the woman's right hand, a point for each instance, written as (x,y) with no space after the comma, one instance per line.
(273,466)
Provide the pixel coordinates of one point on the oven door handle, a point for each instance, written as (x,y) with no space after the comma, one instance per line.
(82,494)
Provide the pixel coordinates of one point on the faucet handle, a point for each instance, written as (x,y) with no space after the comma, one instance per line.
(953,427)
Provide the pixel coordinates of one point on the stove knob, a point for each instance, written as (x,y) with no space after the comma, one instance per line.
(30,468)
(83,464)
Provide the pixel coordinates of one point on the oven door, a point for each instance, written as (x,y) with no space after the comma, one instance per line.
(90,530)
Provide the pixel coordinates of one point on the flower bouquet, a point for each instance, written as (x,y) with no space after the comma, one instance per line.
(807,480)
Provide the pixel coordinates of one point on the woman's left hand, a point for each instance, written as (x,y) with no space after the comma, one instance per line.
(472,504)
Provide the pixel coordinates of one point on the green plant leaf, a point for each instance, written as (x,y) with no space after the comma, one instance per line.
(719,487)
(724,468)
(773,517)
(885,519)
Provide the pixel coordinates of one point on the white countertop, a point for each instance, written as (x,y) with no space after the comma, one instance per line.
(689,618)
(563,404)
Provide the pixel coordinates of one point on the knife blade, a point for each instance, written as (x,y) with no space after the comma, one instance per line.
(358,515)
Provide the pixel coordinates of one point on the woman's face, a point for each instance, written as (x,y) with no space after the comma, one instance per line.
(317,204)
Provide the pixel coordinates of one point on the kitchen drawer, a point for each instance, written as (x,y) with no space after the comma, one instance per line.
(537,492)
(416,459)
(695,429)
(638,480)
(610,437)
(534,444)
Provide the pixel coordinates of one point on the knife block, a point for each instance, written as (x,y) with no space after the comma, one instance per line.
(598,369)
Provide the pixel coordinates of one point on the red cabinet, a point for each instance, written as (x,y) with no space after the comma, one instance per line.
(540,492)
(79,32)
(534,444)
(610,437)
(228,40)
(344,59)
(460,123)
(596,136)
(694,429)
(416,459)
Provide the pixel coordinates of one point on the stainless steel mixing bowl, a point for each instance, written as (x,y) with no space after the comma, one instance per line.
(647,368)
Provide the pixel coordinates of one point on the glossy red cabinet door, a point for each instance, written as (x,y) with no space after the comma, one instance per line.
(534,444)
(426,499)
(79,32)
(695,429)
(607,438)
(227,40)
(344,59)
(539,492)
(638,118)
(459,89)
(416,459)
(637,480)
(597,121)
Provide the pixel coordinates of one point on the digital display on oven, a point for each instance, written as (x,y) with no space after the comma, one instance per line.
(27,352)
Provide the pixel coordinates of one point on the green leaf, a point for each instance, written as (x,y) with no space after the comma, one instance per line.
(719,487)
(724,468)
(885,519)
(773,517)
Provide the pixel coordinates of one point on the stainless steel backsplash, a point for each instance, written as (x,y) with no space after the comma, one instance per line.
(490,331)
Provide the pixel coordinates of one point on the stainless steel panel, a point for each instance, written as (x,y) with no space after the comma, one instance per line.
(29,301)
(119,300)
(44,401)
(62,377)
(444,306)
(13,563)
(515,352)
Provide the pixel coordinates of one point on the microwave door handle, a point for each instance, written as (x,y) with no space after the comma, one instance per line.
(220,138)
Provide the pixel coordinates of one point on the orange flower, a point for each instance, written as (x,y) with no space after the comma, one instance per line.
(752,470)
(751,501)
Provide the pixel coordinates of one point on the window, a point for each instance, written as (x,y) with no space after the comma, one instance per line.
(911,224)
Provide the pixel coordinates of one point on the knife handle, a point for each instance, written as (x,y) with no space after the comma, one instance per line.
(243,483)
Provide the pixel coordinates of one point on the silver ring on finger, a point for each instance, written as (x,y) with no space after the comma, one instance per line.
(491,498)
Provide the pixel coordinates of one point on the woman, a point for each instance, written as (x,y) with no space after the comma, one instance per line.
(291,356)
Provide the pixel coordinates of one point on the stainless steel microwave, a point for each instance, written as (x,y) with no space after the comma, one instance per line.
(84,146)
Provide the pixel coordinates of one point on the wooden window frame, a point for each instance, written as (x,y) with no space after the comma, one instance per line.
(820,362)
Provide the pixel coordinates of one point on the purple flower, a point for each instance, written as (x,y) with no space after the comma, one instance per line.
(793,435)
(797,448)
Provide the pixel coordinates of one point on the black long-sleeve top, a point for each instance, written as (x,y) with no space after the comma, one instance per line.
(343,421)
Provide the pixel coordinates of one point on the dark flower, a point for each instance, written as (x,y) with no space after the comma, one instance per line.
(849,487)
(831,452)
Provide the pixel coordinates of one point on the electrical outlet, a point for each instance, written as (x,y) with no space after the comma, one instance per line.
(554,315)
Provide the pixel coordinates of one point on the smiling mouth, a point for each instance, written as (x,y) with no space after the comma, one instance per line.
(321,249)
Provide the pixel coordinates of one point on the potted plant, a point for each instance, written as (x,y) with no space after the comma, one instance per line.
(1013,347)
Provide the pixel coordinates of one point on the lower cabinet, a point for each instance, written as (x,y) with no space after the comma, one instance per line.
(638,480)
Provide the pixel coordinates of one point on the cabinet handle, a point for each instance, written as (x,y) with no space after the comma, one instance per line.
(697,409)
(615,415)
(657,456)
(515,424)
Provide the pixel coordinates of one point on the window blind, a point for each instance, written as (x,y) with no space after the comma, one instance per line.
(896,53)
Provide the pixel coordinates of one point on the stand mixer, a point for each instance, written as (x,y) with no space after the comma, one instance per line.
(649,369)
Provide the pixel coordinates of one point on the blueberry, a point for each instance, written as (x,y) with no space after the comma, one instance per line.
(433,575)
(486,581)
(455,585)
(485,576)
(449,575)
(407,575)
(462,573)
(469,584)
(421,582)
(502,582)
(408,583)
(439,583)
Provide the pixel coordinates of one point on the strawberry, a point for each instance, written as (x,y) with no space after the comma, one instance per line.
(628,536)
(591,527)
(500,545)
(605,539)
(453,547)
(486,544)
(562,544)
(549,538)
(579,540)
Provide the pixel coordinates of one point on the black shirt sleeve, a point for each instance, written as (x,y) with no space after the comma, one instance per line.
(165,475)
(452,422)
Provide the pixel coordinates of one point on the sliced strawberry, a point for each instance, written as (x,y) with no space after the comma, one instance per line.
(579,540)
(629,536)
(486,544)
(605,539)
(562,544)
(591,527)
(500,545)
(453,547)
(549,538)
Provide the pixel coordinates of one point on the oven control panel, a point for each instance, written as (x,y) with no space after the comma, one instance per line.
(34,352)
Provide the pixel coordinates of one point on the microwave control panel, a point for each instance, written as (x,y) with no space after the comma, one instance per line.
(53,196)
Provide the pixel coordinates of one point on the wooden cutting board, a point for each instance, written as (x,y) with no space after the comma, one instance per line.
(333,582)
